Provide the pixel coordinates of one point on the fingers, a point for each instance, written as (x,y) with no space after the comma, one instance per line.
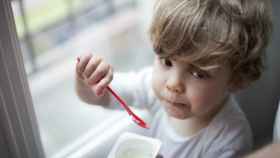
(95,72)
(99,73)
(81,64)
(101,86)
(91,66)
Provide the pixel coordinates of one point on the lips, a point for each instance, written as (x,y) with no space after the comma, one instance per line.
(174,103)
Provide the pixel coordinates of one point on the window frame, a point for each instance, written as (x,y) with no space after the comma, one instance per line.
(18,125)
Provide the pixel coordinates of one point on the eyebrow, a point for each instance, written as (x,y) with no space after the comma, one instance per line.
(207,68)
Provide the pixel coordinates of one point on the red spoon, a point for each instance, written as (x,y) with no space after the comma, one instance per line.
(135,118)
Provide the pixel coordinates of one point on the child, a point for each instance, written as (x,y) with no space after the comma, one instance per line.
(205,51)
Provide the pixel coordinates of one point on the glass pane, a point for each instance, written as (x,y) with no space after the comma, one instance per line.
(52,34)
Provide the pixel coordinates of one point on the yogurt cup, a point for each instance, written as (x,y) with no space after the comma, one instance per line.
(130,145)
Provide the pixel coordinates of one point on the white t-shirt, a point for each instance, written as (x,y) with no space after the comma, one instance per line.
(227,136)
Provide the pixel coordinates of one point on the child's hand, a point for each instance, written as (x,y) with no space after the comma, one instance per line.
(94,72)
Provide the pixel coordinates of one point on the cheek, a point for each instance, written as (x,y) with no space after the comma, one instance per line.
(157,81)
(205,97)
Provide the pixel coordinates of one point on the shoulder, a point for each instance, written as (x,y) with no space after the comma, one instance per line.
(229,132)
(134,86)
(133,77)
(145,77)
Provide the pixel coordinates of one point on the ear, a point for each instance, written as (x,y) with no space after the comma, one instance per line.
(235,86)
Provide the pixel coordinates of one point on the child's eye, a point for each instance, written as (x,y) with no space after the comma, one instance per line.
(158,50)
(166,62)
(200,74)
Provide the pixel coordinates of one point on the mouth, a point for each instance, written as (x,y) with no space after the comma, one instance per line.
(172,103)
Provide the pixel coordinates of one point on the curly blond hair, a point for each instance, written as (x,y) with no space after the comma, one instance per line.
(215,32)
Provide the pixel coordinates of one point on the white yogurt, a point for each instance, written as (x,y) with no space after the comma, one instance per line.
(130,145)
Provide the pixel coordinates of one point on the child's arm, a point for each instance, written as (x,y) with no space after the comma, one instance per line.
(270,151)
(93,75)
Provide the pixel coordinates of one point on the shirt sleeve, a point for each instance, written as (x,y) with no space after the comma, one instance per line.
(134,87)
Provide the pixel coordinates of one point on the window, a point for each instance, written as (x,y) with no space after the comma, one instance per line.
(51,120)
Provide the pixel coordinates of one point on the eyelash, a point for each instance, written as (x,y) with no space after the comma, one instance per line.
(166,62)
(198,74)
(195,72)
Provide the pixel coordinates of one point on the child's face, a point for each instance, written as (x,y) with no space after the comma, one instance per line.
(187,91)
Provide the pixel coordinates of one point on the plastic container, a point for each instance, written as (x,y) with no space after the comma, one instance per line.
(130,145)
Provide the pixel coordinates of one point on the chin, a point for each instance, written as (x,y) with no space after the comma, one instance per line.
(177,114)
(176,111)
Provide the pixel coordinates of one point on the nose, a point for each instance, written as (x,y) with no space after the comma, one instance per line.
(175,84)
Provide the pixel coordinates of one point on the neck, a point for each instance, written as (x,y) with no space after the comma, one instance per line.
(187,127)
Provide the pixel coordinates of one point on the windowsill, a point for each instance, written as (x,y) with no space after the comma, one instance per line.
(98,142)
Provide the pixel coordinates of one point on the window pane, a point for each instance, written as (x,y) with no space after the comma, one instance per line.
(52,34)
